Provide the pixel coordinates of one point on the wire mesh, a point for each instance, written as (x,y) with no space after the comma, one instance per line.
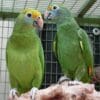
(52,70)
(94,11)
(74,5)
(5,31)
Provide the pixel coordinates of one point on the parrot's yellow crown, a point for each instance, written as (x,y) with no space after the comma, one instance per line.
(35,13)
(49,7)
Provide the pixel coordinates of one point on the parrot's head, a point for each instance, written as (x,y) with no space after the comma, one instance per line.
(56,12)
(32,17)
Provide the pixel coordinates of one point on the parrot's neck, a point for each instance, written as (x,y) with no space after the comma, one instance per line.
(23,42)
(24,35)
(63,20)
(22,28)
(67,23)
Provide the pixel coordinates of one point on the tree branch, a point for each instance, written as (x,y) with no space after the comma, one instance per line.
(64,91)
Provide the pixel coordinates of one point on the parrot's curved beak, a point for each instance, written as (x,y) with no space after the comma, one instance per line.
(48,15)
(37,19)
(38,23)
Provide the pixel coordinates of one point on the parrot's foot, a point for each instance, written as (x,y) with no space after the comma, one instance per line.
(33,92)
(13,93)
(70,83)
(63,79)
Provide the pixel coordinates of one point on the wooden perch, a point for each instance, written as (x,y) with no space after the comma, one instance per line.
(65,91)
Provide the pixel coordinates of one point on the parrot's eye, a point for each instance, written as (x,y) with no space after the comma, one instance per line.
(29,14)
(39,17)
(54,7)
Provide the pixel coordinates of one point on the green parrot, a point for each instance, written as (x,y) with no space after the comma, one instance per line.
(71,44)
(24,52)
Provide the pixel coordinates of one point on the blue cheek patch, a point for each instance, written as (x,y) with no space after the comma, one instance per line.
(28,20)
(58,13)
(55,13)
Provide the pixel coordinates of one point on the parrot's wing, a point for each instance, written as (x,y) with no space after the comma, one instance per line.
(86,49)
(41,56)
(55,45)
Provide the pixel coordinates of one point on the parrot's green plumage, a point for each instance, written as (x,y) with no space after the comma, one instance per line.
(24,52)
(71,45)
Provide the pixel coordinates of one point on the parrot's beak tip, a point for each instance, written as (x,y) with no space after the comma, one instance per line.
(35,23)
(49,18)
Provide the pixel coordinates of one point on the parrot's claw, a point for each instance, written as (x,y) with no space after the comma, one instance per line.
(33,92)
(13,93)
(62,79)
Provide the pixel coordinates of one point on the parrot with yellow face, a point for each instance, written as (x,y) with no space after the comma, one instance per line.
(71,45)
(24,52)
